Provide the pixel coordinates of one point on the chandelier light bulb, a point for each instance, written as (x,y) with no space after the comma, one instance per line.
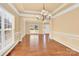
(38,17)
(44,12)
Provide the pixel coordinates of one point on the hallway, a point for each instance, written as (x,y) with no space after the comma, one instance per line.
(53,48)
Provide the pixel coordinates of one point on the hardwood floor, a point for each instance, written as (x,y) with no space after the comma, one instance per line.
(52,48)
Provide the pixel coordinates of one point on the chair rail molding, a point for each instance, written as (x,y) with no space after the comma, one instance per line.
(69,37)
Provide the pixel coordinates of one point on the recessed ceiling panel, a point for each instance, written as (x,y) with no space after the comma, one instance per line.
(52,6)
(36,8)
(29,6)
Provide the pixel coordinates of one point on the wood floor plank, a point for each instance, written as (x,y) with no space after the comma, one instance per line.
(53,48)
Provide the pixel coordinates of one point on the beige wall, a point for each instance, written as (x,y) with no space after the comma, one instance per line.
(67,26)
(68,22)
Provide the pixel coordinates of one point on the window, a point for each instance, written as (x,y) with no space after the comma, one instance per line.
(0,33)
(8,36)
(6,30)
(8,23)
(0,40)
(0,22)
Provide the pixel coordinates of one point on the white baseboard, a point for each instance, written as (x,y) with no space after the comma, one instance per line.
(11,48)
(68,36)
(71,47)
(3,50)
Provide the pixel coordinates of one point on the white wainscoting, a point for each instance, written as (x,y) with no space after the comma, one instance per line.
(10,46)
(67,35)
(67,39)
(19,34)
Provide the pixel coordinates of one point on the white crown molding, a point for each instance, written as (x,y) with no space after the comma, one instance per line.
(32,12)
(67,10)
(27,15)
(23,14)
(59,8)
(58,14)
(13,7)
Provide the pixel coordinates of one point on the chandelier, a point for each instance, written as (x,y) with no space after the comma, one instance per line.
(44,15)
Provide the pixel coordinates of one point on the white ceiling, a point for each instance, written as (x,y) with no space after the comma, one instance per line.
(36,8)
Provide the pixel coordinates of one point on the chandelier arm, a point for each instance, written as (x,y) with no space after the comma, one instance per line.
(43,5)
